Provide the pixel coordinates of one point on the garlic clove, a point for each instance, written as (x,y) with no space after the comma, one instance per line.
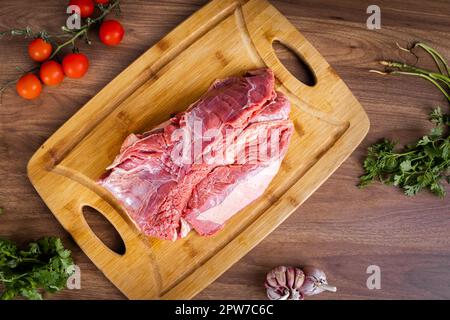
(299,278)
(315,282)
(271,281)
(273,294)
(284,283)
(280,275)
(290,277)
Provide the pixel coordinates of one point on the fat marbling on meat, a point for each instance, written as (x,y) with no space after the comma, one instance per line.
(202,166)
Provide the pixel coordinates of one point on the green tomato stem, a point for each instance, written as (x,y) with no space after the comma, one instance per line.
(83,29)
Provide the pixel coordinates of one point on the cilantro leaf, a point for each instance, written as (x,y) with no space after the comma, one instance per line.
(44,266)
(421,166)
(425,164)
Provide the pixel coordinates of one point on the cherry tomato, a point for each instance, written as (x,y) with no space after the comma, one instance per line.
(39,50)
(51,73)
(75,65)
(111,32)
(101,1)
(29,87)
(86,7)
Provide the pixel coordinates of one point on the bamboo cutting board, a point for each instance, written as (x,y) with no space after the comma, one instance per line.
(223,38)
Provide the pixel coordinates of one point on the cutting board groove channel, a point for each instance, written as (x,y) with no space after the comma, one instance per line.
(223,38)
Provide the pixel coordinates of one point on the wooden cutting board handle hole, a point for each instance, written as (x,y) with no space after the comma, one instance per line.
(104,230)
(294,64)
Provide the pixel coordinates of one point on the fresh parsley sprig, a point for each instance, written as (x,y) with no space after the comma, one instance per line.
(425,164)
(45,265)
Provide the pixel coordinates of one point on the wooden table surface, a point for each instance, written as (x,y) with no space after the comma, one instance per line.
(340,229)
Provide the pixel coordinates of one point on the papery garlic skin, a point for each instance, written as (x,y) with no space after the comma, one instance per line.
(284,283)
(315,282)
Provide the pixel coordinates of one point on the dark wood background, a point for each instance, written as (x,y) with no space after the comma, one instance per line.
(340,228)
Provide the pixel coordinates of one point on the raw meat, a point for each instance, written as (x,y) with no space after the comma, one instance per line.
(205,164)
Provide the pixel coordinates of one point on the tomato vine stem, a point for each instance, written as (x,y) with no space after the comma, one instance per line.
(74,35)
(82,31)
(11,82)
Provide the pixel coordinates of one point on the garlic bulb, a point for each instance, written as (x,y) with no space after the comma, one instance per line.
(284,283)
(315,282)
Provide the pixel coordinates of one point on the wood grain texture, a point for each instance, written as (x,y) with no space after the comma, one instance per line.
(340,228)
(222,39)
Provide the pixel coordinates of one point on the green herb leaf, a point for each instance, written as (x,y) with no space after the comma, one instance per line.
(425,164)
(45,265)
(406,166)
